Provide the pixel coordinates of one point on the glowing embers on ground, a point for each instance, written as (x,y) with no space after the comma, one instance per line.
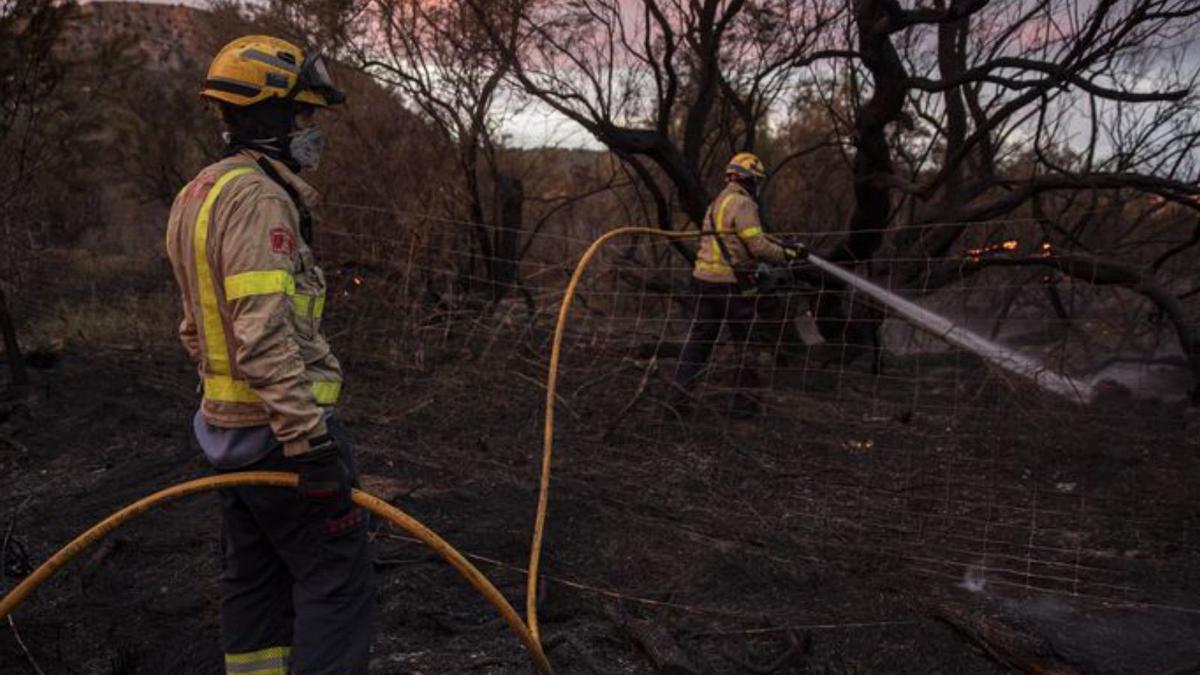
(1045,249)
(1007,246)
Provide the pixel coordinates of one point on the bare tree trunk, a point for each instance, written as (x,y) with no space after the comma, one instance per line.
(872,157)
(12,350)
(510,192)
(835,309)
(479,230)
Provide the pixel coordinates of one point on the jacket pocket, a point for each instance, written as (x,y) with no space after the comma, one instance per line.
(308,302)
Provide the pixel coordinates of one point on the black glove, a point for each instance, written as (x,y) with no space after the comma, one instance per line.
(325,481)
(795,251)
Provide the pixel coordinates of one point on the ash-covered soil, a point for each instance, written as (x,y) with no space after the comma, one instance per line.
(821,536)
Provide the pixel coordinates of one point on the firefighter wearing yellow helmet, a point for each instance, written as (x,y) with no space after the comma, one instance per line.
(723,273)
(297,593)
(256,68)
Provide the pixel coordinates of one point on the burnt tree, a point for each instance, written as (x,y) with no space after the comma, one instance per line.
(32,128)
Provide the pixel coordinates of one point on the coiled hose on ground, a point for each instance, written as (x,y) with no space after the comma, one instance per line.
(528,634)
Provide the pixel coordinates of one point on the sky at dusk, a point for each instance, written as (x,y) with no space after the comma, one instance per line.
(536,125)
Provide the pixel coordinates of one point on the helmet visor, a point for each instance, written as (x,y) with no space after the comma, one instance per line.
(314,76)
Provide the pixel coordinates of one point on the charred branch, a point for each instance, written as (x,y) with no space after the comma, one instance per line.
(1056,75)
(1098,272)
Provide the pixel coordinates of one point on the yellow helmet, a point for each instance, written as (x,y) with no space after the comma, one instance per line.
(746,165)
(255,68)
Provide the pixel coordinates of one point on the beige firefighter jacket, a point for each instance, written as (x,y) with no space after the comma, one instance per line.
(252,300)
(734,216)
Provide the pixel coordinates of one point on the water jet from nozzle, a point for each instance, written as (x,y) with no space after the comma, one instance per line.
(946,330)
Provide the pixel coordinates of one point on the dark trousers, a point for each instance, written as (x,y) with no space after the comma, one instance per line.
(718,305)
(294,591)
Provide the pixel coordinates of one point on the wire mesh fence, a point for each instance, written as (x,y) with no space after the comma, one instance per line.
(834,431)
(869,436)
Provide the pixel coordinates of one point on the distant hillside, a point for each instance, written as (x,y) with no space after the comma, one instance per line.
(168,36)
(145,60)
(157,132)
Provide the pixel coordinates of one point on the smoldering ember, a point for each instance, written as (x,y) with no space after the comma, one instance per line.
(596,336)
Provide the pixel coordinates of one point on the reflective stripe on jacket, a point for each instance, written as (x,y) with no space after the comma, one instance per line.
(252,300)
(734,211)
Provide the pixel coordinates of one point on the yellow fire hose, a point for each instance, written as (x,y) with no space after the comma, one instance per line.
(535,552)
(283,480)
(528,635)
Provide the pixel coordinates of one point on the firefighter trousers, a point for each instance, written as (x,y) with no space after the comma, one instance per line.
(297,595)
(717,305)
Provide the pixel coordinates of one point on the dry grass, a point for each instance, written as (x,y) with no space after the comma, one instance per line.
(83,299)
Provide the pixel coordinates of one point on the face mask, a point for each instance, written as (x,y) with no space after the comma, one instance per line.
(305,147)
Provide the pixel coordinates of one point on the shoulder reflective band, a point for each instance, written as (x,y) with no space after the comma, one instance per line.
(750,232)
(265,282)
(270,661)
(719,223)
(721,213)
(218,383)
(215,347)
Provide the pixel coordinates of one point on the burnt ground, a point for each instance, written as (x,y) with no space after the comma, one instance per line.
(821,537)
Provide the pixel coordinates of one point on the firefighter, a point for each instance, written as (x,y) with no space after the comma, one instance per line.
(297,592)
(723,275)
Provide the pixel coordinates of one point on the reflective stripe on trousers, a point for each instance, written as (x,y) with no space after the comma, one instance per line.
(269,661)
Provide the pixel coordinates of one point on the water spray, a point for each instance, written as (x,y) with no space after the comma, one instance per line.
(945,329)
(920,317)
